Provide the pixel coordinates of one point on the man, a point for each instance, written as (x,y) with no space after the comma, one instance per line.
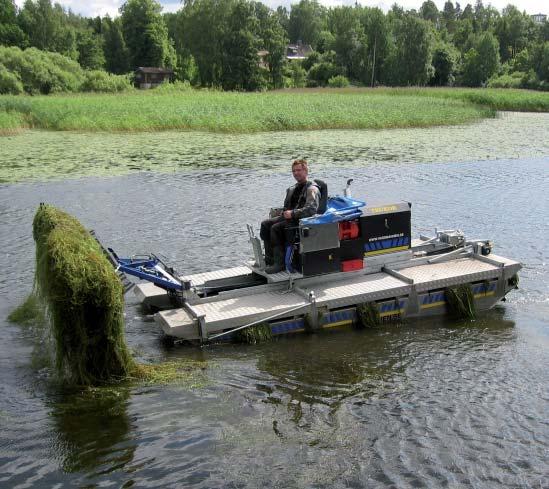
(302,200)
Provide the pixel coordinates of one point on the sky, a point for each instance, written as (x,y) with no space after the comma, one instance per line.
(92,8)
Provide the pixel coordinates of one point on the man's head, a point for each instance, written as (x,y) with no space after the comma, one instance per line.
(300,170)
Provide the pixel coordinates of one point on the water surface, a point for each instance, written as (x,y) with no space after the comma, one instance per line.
(46,155)
(432,403)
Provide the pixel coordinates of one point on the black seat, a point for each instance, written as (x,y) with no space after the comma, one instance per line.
(323,186)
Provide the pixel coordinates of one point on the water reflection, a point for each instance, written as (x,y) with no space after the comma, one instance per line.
(330,367)
(93,430)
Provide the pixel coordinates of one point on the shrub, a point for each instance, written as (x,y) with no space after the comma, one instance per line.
(101,81)
(177,86)
(338,81)
(296,75)
(511,80)
(41,71)
(320,73)
(10,83)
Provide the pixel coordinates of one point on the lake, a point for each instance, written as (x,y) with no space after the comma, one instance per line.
(430,403)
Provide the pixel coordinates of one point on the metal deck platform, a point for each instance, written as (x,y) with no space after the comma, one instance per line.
(237,308)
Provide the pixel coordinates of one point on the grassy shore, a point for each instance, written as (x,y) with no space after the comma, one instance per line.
(283,110)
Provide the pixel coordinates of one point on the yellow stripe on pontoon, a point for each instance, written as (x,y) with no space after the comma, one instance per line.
(386,250)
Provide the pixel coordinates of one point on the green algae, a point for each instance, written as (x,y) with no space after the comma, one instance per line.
(186,372)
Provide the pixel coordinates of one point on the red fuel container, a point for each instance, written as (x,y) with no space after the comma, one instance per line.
(349,230)
(350,265)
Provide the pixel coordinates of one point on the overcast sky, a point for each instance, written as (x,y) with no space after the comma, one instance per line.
(92,8)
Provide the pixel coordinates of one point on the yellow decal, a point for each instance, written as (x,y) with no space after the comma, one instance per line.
(386,208)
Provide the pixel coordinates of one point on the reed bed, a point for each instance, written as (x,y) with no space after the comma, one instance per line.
(11,123)
(231,112)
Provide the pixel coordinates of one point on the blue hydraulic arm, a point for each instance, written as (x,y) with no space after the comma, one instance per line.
(151,268)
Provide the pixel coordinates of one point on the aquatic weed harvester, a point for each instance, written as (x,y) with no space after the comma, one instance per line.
(350,263)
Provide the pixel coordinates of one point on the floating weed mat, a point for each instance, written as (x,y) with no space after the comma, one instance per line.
(83,298)
(367,315)
(460,301)
(188,372)
(514,281)
(31,312)
(258,333)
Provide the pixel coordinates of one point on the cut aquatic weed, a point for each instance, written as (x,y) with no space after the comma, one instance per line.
(84,300)
(30,312)
(189,372)
(460,301)
(254,334)
(368,315)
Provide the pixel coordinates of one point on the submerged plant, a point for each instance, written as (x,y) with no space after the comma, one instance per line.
(254,334)
(368,315)
(460,301)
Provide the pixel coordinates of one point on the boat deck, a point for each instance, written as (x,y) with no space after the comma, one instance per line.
(220,312)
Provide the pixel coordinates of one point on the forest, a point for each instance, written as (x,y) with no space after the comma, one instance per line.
(242,45)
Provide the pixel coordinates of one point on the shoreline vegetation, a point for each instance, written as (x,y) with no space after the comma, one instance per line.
(171,108)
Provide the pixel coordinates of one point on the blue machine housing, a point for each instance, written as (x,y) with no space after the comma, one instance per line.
(338,209)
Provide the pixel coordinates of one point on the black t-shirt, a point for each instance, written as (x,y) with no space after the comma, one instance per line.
(296,195)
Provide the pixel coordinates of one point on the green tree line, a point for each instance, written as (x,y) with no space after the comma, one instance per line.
(241,45)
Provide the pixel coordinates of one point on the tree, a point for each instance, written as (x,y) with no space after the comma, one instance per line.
(410,62)
(449,16)
(307,20)
(445,59)
(145,34)
(348,40)
(467,13)
(274,41)
(114,47)
(240,46)
(90,50)
(429,11)
(463,35)
(512,30)
(10,33)
(482,61)
(47,27)
(202,30)
(376,43)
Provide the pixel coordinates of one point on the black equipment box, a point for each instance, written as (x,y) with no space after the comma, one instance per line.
(351,249)
(322,261)
(386,228)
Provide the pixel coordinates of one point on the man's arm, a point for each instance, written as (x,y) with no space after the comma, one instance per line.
(311,204)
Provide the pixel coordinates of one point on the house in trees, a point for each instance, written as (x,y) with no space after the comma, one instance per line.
(150,77)
(298,51)
(539,18)
(262,57)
